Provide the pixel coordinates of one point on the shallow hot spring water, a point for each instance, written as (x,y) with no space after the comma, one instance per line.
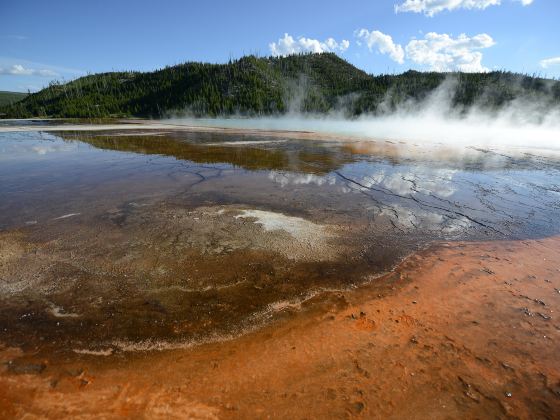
(115,240)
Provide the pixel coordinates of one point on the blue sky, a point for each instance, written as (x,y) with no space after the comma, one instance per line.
(45,40)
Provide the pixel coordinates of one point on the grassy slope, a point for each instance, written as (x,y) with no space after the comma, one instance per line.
(7,98)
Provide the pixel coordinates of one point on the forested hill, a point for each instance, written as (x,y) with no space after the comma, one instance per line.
(314,83)
(7,98)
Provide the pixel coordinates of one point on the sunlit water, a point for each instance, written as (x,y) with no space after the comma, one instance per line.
(427,128)
(130,238)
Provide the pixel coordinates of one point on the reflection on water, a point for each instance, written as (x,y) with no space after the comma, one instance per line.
(171,237)
(209,148)
(462,186)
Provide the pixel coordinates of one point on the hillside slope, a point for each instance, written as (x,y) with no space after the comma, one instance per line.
(315,83)
(7,98)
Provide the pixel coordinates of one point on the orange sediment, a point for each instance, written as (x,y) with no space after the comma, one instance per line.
(461,330)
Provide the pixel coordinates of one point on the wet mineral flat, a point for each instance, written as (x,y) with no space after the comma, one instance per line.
(114,241)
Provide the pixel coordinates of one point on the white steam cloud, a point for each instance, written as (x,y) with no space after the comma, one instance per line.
(525,125)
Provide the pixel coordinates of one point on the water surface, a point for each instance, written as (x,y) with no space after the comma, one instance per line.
(136,240)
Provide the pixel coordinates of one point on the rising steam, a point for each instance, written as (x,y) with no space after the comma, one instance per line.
(524,123)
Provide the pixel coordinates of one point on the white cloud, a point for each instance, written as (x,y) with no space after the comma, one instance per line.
(384,44)
(433,7)
(288,45)
(441,52)
(285,179)
(19,70)
(549,62)
(438,52)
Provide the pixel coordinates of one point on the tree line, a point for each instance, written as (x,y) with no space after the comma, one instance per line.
(253,86)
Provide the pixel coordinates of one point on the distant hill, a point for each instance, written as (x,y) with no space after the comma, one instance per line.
(7,98)
(313,83)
